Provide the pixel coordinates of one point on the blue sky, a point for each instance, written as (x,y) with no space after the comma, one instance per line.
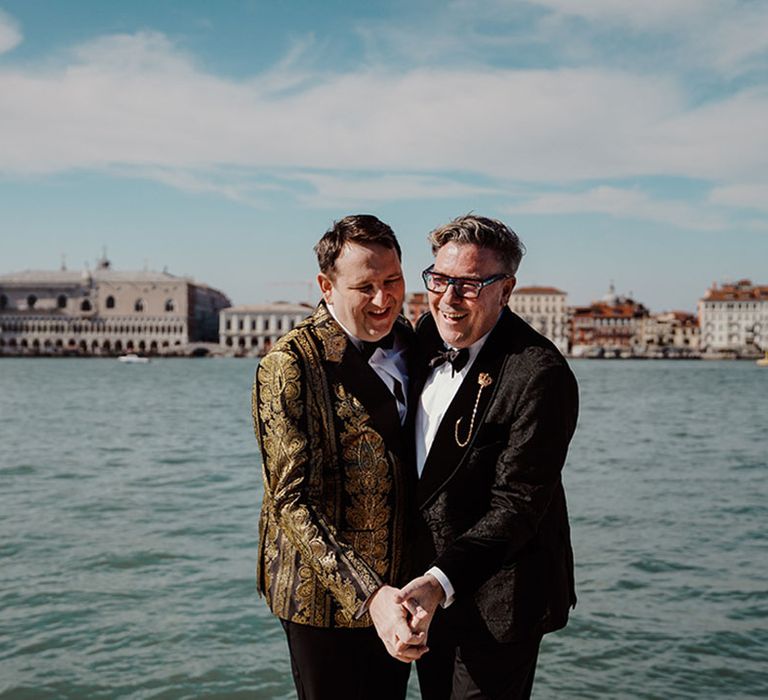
(624,141)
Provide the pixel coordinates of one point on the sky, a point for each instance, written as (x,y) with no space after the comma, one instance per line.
(625,142)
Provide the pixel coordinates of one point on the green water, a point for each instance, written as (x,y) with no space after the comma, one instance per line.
(129,498)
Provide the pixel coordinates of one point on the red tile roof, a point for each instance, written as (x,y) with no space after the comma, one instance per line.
(743,290)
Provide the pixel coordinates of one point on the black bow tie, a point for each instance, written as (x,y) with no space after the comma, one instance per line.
(368,348)
(457,359)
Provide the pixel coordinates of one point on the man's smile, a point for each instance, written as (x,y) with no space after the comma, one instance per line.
(379,313)
(453,315)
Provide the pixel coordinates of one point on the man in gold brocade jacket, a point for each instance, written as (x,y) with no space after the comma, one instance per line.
(331,414)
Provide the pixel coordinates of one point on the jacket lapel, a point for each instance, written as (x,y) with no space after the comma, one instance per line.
(453,440)
(347,366)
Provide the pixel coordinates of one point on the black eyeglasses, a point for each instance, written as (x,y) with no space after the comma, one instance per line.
(462,287)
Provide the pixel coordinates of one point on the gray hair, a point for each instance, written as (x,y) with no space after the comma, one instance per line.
(485,233)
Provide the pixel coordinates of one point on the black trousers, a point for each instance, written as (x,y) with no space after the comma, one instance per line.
(343,664)
(465,662)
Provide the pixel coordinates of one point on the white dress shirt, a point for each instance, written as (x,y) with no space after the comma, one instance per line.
(389,364)
(439,390)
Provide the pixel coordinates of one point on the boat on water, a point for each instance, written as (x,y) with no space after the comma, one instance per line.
(763,361)
(132,358)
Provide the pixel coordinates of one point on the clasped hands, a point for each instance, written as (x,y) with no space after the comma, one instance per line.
(402,616)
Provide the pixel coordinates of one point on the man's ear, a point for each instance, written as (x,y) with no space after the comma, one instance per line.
(326,286)
(506,290)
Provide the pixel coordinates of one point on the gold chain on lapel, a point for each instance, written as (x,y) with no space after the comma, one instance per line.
(483,380)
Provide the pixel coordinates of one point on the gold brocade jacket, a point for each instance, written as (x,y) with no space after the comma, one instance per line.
(334,458)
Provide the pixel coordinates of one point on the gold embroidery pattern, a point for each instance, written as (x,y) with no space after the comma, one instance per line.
(334,342)
(368,482)
(310,570)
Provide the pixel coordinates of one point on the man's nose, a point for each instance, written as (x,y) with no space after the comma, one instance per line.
(450,296)
(380,297)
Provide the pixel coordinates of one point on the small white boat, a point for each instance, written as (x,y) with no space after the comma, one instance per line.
(132,358)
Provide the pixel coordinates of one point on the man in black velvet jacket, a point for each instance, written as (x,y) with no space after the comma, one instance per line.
(498,409)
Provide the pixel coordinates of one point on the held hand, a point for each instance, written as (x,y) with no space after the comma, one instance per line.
(391,621)
(421,598)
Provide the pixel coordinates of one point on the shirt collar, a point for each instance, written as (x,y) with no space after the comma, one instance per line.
(357,342)
(476,347)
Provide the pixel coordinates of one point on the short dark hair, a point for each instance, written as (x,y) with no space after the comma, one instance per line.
(364,229)
(485,233)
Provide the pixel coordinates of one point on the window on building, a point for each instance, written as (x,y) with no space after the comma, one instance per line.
(85,306)
(170,306)
(110,302)
(3,301)
(228,324)
(139,305)
(279,324)
(31,301)
(61,302)
(240,324)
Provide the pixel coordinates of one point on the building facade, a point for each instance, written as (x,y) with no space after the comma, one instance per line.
(253,330)
(546,310)
(670,334)
(610,327)
(104,312)
(734,318)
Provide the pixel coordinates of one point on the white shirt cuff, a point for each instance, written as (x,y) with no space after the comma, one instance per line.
(442,579)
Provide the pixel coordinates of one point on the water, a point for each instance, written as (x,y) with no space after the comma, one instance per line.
(129,498)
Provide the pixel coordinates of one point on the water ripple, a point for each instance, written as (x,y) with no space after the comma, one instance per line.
(127,562)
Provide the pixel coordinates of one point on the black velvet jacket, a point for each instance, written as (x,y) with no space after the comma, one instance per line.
(492,507)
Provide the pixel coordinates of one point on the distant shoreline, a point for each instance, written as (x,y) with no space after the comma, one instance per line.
(40,356)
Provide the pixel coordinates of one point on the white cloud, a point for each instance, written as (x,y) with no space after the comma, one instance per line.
(343,191)
(236,187)
(735,41)
(750,196)
(622,203)
(643,15)
(10,34)
(727,35)
(136,100)
(137,103)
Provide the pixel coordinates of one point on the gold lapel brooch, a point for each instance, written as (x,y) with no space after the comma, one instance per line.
(483,380)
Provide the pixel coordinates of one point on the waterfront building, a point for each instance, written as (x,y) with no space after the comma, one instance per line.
(734,318)
(254,329)
(105,312)
(609,327)
(670,334)
(545,309)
